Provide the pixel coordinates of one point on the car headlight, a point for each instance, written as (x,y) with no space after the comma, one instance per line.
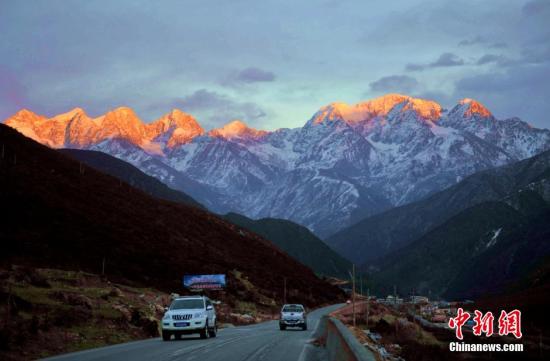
(199,315)
(166,316)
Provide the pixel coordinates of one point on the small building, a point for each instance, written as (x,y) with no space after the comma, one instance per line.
(419,299)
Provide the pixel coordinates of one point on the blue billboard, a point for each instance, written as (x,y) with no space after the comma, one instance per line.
(204,282)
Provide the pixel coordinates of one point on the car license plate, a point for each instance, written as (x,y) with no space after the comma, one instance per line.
(181,324)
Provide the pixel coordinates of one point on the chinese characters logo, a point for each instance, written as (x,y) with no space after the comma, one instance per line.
(508,323)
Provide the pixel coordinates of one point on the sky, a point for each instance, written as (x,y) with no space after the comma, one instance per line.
(271,64)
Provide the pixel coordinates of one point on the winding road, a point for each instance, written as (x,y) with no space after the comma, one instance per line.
(263,341)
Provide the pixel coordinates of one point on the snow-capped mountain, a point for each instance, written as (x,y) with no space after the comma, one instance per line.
(347,162)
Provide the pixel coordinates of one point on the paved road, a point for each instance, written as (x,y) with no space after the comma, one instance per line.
(262,341)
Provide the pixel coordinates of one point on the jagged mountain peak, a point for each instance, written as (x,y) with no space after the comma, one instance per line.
(177,118)
(476,107)
(236,129)
(122,111)
(122,117)
(76,110)
(177,127)
(384,104)
(378,107)
(71,114)
(24,115)
(122,123)
(470,108)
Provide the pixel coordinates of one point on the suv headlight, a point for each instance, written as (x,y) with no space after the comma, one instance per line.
(199,314)
(166,316)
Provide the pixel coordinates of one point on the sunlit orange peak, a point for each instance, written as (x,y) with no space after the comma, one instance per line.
(25,113)
(475,107)
(236,129)
(380,106)
(70,114)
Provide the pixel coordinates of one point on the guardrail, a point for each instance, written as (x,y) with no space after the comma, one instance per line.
(339,342)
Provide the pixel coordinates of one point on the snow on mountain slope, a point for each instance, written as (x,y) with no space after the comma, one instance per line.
(347,162)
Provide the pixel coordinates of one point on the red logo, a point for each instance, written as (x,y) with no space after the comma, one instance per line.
(508,323)
(458,322)
(483,323)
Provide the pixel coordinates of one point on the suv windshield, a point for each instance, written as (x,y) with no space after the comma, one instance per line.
(293,308)
(192,304)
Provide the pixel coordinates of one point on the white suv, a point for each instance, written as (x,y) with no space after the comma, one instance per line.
(293,316)
(187,315)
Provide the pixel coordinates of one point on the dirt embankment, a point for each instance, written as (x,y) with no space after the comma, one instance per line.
(45,312)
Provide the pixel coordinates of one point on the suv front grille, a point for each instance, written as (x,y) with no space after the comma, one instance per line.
(182,317)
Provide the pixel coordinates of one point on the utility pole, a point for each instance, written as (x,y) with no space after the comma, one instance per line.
(284,294)
(368,300)
(361,285)
(352,274)
(103,267)
(8,308)
(394,295)
(413,306)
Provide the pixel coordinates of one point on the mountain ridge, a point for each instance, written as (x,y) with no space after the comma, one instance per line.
(381,234)
(346,162)
(495,243)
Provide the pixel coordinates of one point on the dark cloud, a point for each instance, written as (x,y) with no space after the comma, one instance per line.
(499,60)
(252,75)
(498,45)
(516,78)
(473,41)
(394,83)
(480,40)
(535,55)
(415,67)
(202,99)
(447,59)
(534,32)
(216,107)
(535,7)
(247,76)
(444,60)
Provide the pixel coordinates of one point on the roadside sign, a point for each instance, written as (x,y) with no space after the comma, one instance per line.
(204,282)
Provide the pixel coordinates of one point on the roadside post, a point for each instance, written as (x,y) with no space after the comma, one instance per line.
(368,301)
(352,275)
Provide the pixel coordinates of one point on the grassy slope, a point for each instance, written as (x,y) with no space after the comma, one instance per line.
(54,311)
